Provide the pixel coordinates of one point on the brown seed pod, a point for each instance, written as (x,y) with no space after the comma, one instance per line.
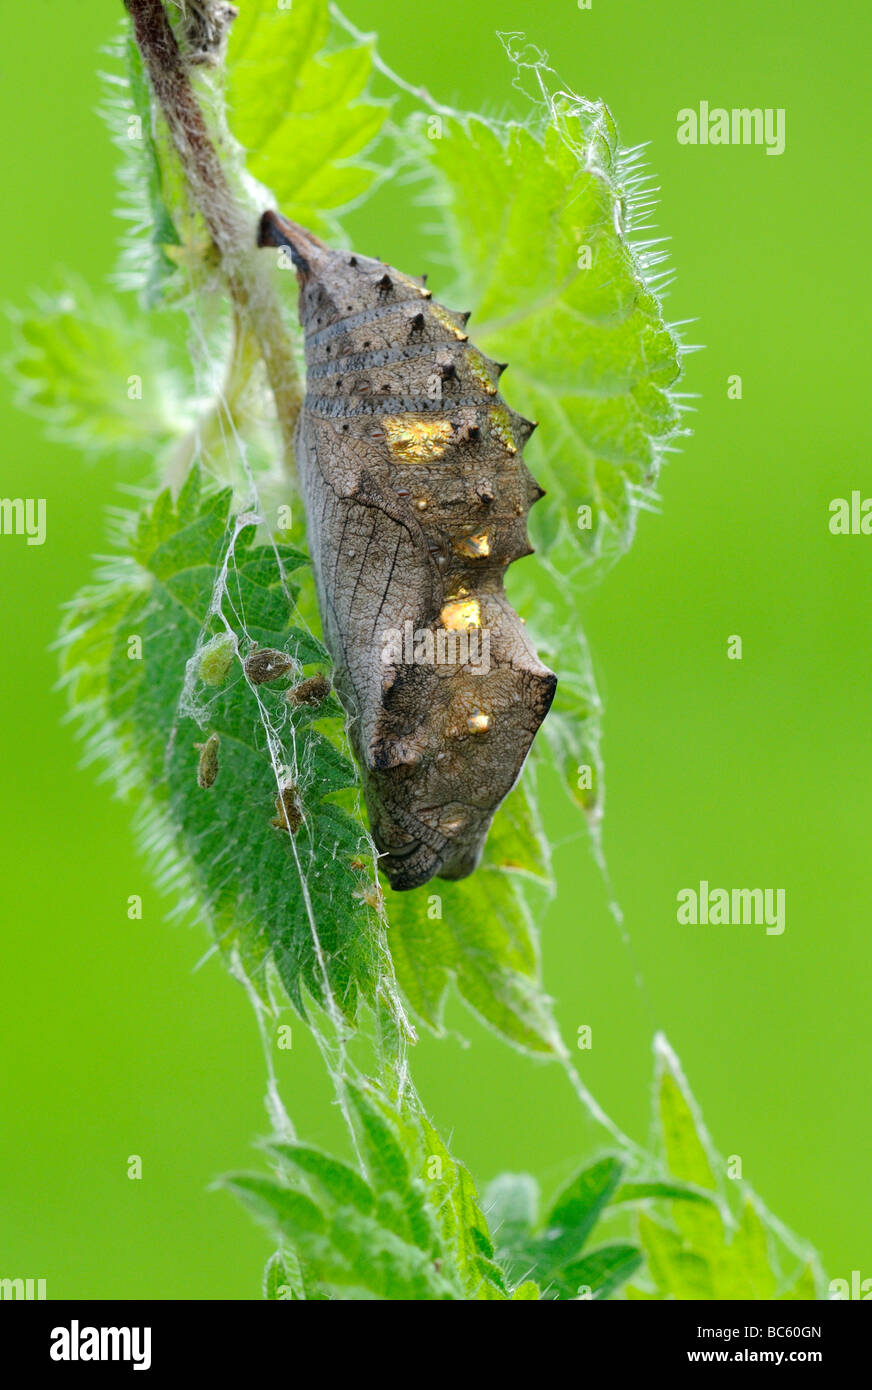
(207,767)
(265,664)
(313,691)
(416,498)
(289,812)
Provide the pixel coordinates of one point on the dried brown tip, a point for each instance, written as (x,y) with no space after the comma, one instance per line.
(276,230)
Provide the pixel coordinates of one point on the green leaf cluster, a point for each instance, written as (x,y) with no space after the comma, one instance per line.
(727,1248)
(405,1226)
(301,109)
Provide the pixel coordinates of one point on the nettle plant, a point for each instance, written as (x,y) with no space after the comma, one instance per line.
(197,667)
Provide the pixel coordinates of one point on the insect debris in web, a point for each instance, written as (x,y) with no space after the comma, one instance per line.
(289,811)
(265,664)
(207,767)
(312,691)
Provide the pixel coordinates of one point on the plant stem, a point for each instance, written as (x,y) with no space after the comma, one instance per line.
(231,226)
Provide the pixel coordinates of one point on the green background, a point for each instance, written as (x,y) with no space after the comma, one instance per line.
(751,772)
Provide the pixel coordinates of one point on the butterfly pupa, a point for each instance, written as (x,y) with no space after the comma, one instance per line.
(416,498)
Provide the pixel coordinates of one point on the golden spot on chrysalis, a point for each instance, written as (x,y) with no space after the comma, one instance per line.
(475,546)
(418,441)
(421,504)
(501,426)
(443,317)
(478,367)
(460,614)
(478,722)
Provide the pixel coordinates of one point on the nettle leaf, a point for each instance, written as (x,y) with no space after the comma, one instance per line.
(148,178)
(98,377)
(464,1228)
(540,221)
(480,933)
(406,1226)
(282,1280)
(300,108)
(726,1248)
(336,1180)
(552,594)
(282,875)
(551,1250)
(601,1273)
(576,1211)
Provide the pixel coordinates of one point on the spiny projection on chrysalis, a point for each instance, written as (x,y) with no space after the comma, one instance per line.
(416,501)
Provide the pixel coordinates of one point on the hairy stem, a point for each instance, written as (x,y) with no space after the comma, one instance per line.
(232,227)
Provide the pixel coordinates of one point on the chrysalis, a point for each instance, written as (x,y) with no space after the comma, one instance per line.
(417,499)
